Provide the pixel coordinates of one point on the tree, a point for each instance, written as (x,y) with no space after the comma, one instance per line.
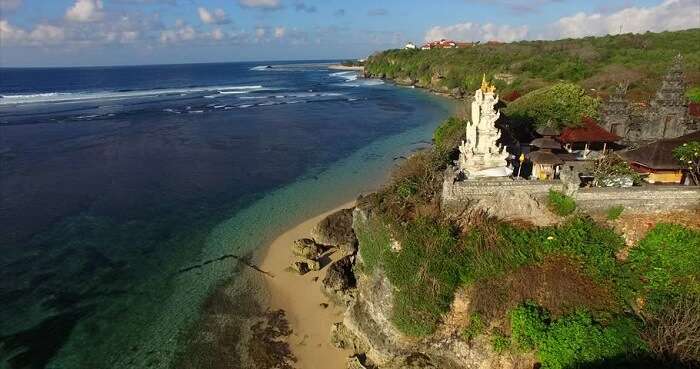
(688,155)
(560,105)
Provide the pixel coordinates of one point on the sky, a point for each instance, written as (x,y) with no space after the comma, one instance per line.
(126,32)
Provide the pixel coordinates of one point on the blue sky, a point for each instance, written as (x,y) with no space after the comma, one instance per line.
(108,32)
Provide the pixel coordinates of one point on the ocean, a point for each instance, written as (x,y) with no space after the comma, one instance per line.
(119,184)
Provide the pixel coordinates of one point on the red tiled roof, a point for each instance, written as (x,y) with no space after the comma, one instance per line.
(694,109)
(590,131)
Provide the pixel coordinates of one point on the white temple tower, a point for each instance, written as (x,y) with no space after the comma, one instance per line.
(479,154)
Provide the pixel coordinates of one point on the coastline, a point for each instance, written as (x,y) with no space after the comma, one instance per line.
(344,67)
(300,297)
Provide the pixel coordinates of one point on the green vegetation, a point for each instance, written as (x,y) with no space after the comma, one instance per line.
(593,62)
(609,169)
(449,134)
(352,63)
(693,94)
(571,293)
(666,264)
(476,327)
(688,155)
(499,343)
(559,105)
(614,212)
(560,204)
(572,340)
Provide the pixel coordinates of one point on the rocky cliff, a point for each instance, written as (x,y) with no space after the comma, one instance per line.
(367,327)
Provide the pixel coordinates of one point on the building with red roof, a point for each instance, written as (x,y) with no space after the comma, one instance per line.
(590,135)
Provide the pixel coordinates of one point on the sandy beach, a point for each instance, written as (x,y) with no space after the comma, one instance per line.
(301,298)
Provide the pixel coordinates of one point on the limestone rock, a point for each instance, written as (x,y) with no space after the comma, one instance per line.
(335,229)
(313,265)
(517,205)
(306,248)
(339,278)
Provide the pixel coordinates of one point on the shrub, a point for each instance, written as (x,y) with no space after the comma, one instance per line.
(614,212)
(528,326)
(666,263)
(449,134)
(476,327)
(499,343)
(611,167)
(674,333)
(693,94)
(560,204)
(688,155)
(414,189)
(560,105)
(573,340)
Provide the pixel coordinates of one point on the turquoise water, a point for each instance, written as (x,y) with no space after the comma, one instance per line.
(102,212)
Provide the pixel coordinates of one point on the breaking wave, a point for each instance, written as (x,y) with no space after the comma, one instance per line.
(113,95)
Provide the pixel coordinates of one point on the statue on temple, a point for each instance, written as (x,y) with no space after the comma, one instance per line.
(479,154)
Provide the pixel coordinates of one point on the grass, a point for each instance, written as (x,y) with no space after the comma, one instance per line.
(560,204)
(449,133)
(666,265)
(614,212)
(573,340)
(499,343)
(476,327)
(435,259)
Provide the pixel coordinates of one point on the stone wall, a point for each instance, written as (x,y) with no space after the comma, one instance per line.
(645,198)
(458,194)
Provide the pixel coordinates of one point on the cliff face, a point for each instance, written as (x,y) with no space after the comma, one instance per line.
(367,328)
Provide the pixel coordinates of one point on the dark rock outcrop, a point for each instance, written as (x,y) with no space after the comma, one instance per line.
(339,278)
(336,229)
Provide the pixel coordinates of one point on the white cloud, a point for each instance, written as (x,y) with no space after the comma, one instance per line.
(181,32)
(217,34)
(671,15)
(85,11)
(262,4)
(478,32)
(260,32)
(280,32)
(9,5)
(217,16)
(42,34)
(46,34)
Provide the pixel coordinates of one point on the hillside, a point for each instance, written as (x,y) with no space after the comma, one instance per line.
(593,62)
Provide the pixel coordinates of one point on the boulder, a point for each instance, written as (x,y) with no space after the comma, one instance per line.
(335,229)
(301,267)
(339,277)
(313,265)
(306,248)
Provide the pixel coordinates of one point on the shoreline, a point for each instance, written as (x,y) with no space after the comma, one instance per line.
(345,67)
(300,297)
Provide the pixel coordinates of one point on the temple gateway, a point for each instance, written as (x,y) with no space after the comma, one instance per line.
(479,154)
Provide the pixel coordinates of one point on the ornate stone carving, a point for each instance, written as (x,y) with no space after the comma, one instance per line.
(479,154)
(666,117)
